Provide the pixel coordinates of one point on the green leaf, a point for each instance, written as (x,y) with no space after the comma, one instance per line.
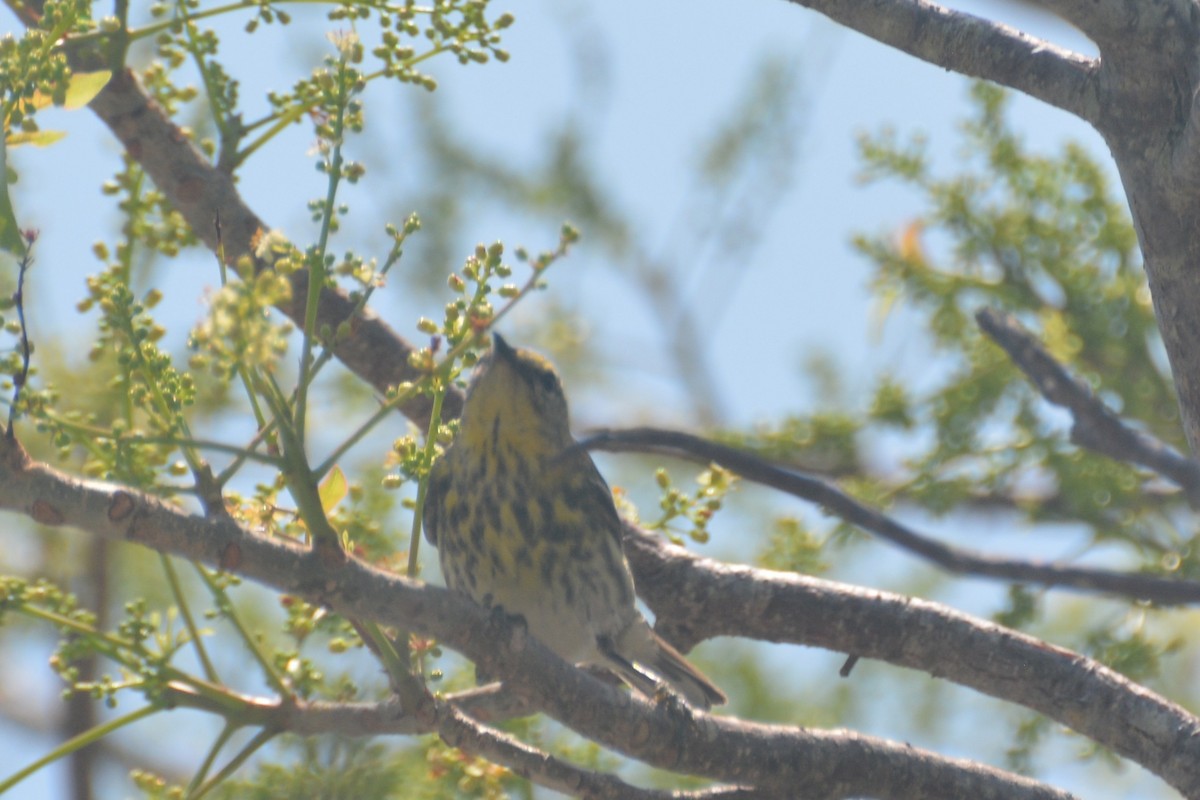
(35,138)
(333,489)
(83,86)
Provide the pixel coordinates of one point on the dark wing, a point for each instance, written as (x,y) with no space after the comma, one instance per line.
(589,493)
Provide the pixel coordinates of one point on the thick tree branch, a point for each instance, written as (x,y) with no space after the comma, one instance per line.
(771,758)
(1185,160)
(717,599)
(1095,426)
(1115,22)
(1165,591)
(974,47)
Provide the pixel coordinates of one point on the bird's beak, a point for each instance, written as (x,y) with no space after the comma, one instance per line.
(501,348)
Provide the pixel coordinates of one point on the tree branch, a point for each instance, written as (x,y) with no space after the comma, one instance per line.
(1106,21)
(1165,591)
(450,719)
(458,730)
(974,47)
(1095,427)
(667,735)
(715,599)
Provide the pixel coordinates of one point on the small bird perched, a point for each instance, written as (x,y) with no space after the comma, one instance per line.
(523,521)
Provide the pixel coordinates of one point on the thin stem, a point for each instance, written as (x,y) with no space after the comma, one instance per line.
(226,607)
(316,267)
(76,743)
(210,758)
(253,746)
(189,622)
(435,421)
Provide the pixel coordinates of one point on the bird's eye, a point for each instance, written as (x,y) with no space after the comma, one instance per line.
(547,379)
(544,379)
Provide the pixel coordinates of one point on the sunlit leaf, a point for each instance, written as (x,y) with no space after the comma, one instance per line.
(84,86)
(35,138)
(81,88)
(333,489)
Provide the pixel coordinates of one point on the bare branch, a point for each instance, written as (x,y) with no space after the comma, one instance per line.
(724,600)
(458,730)
(449,720)
(1166,591)
(667,735)
(490,703)
(974,47)
(1095,427)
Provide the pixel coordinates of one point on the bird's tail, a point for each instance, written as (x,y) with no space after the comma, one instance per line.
(652,661)
(693,684)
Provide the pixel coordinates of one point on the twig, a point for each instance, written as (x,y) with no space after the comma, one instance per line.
(448,719)
(19,302)
(1165,591)
(1095,426)
(460,731)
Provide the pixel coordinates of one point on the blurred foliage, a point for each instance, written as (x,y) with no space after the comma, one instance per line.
(1041,237)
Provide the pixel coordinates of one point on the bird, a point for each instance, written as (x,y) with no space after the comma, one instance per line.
(524,523)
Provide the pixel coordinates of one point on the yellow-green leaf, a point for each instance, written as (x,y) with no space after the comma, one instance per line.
(35,138)
(81,88)
(84,86)
(332,489)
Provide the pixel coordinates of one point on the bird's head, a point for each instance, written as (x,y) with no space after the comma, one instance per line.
(516,393)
